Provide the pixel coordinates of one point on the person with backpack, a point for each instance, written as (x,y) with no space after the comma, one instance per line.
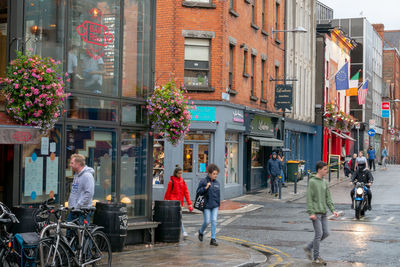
(178,190)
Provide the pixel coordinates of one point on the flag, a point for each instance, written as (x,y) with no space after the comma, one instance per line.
(362,93)
(342,77)
(353,85)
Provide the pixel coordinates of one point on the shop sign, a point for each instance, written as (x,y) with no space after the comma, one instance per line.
(10,135)
(262,125)
(238,116)
(203,113)
(283,96)
(95,34)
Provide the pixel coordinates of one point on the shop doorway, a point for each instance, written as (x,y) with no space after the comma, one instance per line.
(6,173)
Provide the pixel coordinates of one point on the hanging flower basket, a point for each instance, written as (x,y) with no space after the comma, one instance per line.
(34,91)
(337,119)
(168,111)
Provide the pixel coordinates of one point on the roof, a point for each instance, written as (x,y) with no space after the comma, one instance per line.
(392,39)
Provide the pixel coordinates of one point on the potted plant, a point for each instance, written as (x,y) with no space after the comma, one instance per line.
(168,111)
(34,91)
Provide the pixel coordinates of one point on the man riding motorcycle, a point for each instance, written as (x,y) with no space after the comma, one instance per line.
(363,175)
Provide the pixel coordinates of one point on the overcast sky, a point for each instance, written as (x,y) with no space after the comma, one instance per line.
(376,11)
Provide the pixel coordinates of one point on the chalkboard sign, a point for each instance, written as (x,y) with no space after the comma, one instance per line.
(334,161)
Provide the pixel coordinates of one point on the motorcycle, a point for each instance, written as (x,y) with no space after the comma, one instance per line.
(360,199)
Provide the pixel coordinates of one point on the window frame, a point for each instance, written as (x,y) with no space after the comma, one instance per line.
(197,87)
(252,75)
(231,66)
(263,63)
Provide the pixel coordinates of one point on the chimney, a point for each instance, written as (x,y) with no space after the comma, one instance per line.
(380,29)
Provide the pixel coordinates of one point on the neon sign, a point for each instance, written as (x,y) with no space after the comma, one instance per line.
(95,33)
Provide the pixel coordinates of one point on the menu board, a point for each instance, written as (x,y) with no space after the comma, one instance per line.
(33,176)
(52,175)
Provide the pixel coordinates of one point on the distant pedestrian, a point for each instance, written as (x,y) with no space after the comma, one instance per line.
(384,157)
(352,164)
(177,190)
(371,157)
(274,168)
(361,159)
(210,187)
(319,200)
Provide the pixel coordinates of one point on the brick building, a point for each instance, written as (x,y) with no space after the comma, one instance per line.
(224,54)
(391,78)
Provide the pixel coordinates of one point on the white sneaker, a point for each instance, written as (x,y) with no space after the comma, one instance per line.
(185,235)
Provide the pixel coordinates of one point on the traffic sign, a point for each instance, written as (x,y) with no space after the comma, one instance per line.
(385,113)
(371,132)
(392,131)
(385,106)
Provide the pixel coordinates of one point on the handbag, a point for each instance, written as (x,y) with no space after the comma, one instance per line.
(200,202)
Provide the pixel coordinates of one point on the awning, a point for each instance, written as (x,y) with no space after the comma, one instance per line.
(268,141)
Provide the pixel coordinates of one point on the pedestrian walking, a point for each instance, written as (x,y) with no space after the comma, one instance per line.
(384,157)
(371,157)
(274,168)
(352,164)
(210,187)
(281,157)
(82,188)
(319,200)
(178,190)
(361,159)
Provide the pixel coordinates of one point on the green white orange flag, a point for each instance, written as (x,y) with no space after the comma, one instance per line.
(353,85)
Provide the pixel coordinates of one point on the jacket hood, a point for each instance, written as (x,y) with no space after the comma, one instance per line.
(87,169)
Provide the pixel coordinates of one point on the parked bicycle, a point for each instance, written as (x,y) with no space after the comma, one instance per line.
(87,245)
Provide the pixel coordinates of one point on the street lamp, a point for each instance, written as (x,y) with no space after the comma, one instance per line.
(297,29)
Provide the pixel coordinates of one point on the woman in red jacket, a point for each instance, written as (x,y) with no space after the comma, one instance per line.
(177,190)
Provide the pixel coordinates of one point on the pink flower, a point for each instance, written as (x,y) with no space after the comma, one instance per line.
(48,70)
(48,102)
(16,86)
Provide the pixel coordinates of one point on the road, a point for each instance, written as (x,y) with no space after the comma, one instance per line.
(280,229)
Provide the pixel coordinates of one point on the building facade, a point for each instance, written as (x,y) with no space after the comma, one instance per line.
(300,72)
(106,48)
(224,54)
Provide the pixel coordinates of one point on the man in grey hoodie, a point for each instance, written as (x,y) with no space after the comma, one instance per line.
(82,188)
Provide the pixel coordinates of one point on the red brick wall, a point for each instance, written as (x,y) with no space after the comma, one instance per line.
(172,18)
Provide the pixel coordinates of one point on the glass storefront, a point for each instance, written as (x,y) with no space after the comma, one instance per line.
(158,160)
(105,47)
(231,158)
(196,153)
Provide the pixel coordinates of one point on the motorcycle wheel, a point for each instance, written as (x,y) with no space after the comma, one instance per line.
(357,209)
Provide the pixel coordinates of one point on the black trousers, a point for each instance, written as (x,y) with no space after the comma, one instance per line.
(370,163)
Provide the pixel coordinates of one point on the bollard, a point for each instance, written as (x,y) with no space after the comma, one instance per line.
(329,177)
(295,182)
(280,187)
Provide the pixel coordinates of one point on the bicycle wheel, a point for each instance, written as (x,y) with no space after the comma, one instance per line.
(60,256)
(91,251)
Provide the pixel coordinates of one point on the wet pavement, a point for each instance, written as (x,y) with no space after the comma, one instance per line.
(190,252)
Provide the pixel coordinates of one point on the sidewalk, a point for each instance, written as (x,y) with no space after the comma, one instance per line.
(189,252)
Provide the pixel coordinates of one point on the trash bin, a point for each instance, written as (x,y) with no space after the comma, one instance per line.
(168,213)
(113,217)
(292,171)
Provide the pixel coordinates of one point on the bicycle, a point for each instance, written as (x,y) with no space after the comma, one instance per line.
(87,246)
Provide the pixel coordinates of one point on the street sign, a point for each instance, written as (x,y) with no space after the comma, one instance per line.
(385,113)
(392,131)
(385,106)
(371,132)
(371,123)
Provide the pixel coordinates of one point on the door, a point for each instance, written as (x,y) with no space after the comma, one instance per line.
(196,157)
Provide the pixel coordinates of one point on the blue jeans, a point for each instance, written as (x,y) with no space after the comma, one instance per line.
(183,228)
(210,215)
(72,216)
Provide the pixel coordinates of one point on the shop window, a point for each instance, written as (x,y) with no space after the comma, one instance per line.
(197,57)
(196,155)
(231,158)
(256,157)
(3,37)
(44,28)
(41,170)
(137,48)
(93,54)
(133,172)
(158,161)
(99,148)
(133,114)
(91,108)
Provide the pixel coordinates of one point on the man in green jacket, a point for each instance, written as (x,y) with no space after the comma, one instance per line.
(319,200)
